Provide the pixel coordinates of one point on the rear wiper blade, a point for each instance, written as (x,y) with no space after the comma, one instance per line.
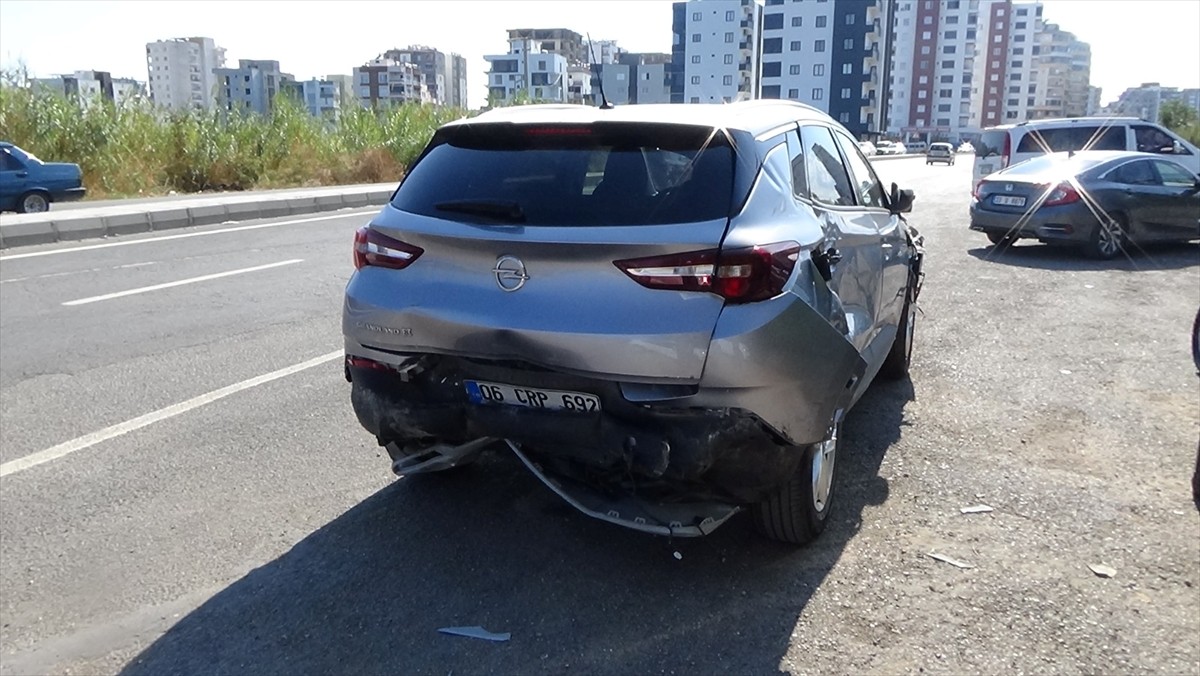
(498,209)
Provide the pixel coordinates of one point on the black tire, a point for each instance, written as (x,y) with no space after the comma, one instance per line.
(1108,238)
(895,365)
(33,202)
(792,514)
(1001,239)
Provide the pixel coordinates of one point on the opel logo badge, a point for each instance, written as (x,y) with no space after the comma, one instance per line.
(510,273)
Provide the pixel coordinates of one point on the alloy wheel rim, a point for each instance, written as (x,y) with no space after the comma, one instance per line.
(1108,238)
(35,204)
(824,457)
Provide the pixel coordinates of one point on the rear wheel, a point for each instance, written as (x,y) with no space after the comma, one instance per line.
(33,203)
(798,511)
(1108,238)
(1001,238)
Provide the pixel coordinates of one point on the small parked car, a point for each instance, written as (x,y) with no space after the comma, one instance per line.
(1099,200)
(867,148)
(940,152)
(663,311)
(916,147)
(890,148)
(29,185)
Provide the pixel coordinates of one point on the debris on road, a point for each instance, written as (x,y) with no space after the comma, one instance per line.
(475,632)
(976,509)
(954,562)
(1102,570)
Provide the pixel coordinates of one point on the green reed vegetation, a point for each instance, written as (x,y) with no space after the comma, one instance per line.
(137,149)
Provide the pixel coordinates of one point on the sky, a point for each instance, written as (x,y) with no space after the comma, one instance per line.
(1133,41)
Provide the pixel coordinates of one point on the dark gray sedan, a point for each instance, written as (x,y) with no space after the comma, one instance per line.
(1101,201)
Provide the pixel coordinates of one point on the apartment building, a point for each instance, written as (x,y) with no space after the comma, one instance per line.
(181,72)
(322,98)
(530,70)
(830,54)
(633,78)
(1145,101)
(386,81)
(715,51)
(445,74)
(252,86)
(1093,101)
(568,43)
(89,86)
(1062,70)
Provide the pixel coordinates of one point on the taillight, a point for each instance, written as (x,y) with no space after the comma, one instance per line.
(975,190)
(372,247)
(1006,154)
(737,275)
(1063,193)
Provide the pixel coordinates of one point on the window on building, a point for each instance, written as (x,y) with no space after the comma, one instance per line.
(773,46)
(927,35)
(945,93)
(794,69)
(950,35)
(944,108)
(995,77)
(948,49)
(770,91)
(728,59)
(772,69)
(695,37)
(794,45)
(1018,64)
(1018,38)
(965,93)
(925,49)
(793,93)
(921,109)
(818,93)
(998,38)
(729,15)
(728,80)
(1032,89)
(999,11)
(923,79)
(1020,25)
(819,46)
(695,79)
(772,21)
(729,37)
(821,21)
(923,94)
(1022,12)
(1014,76)
(695,58)
(695,99)
(1011,115)
(847,69)
(696,16)
(797,21)
(952,4)
(850,18)
(948,64)
(1014,90)
(1029,101)
(819,69)
(952,19)
(995,64)
(845,93)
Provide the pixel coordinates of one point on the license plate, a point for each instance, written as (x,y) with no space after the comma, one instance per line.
(1008,201)
(530,397)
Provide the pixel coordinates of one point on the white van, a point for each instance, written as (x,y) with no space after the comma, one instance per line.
(999,147)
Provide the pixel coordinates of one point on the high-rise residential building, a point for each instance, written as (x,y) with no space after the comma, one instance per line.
(715,51)
(385,81)
(1093,101)
(962,65)
(1145,101)
(181,72)
(89,86)
(633,78)
(345,85)
(445,74)
(529,70)
(1062,70)
(568,43)
(831,55)
(252,86)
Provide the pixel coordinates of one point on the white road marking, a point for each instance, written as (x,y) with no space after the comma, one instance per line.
(80,443)
(168,285)
(165,238)
(52,275)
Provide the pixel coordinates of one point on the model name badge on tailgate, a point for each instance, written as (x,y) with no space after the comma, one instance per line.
(529,397)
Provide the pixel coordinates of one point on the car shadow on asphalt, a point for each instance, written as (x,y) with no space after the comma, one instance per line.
(491,546)
(1145,257)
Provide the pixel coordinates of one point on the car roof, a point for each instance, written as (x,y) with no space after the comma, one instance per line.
(755,117)
(1064,121)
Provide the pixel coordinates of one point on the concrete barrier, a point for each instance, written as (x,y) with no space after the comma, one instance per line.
(124,219)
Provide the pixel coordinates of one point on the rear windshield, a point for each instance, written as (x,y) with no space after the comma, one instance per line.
(604,174)
(990,143)
(1066,139)
(1067,166)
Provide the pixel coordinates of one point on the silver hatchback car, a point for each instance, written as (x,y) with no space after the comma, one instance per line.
(664,311)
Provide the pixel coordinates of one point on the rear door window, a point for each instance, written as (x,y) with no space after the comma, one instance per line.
(1174,175)
(1139,172)
(572,175)
(828,181)
(1066,139)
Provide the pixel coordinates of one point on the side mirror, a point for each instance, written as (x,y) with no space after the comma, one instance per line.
(901,200)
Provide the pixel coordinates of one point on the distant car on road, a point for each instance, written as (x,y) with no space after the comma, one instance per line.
(1100,200)
(890,148)
(867,148)
(940,152)
(916,146)
(29,185)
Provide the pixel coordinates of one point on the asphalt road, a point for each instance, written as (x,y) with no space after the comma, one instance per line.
(165,510)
